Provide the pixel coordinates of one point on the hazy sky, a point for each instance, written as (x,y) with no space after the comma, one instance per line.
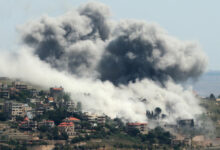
(186,19)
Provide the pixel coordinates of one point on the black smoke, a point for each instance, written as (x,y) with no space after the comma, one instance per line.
(137,54)
(88,42)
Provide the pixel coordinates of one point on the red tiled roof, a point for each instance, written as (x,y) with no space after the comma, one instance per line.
(65,124)
(50,98)
(26,119)
(73,119)
(136,124)
(57,89)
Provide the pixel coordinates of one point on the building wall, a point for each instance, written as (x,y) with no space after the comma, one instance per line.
(13,109)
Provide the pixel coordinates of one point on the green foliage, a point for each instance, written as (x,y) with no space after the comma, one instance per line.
(14,125)
(13,142)
(56,115)
(3,147)
(212,109)
(43,128)
(157,110)
(64,136)
(133,132)
(3,116)
(119,123)
(42,93)
(53,134)
(85,125)
(19,118)
(212,96)
(66,97)
(156,114)
(78,139)
(157,135)
(21,96)
(112,128)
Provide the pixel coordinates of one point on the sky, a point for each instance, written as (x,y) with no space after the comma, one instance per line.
(186,19)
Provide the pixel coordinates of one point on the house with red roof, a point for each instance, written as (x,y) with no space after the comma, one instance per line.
(28,124)
(67,127)
(72,119)
(54,92)
(50,99)
(142,127)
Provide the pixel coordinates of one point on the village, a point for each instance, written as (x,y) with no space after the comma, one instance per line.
(51,118)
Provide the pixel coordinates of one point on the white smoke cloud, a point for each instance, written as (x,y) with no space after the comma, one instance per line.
(109,66)
(104,97)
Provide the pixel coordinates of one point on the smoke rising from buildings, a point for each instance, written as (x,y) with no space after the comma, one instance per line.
(120,68)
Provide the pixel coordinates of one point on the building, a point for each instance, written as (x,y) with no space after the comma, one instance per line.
(178,140)
(142,127)
(50,99)
(95,119)
(33,92)
(70,106)
(49,107)
(199,140)
(13,91)
(217,99)
(27,108)
(91,118)
(32,100)
(40,109)
(28,124)
(67,127)
(3,86)
(185,123)
(171,127)
(55,92)
(21,87)
(13,109)
(4,93)
(72,119)
(47,123)
(101,120)
(1,107)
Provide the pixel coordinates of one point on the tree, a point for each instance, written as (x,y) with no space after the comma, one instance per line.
(150,115)
(42,93)
(66,97)
(79,106)
(65,136)
(3,117)
(119,123)
(55,133)
(43,128)
(212,96)
(156,114)
(157,110)
(19,118)
(133,131)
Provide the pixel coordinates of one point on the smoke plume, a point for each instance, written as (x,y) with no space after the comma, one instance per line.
(120,68)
